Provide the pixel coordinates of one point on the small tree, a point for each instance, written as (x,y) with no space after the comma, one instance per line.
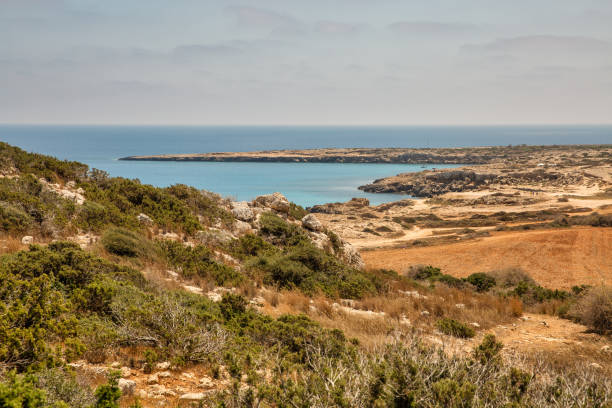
(108,395)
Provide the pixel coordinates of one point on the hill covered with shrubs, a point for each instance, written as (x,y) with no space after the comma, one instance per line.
(138,295)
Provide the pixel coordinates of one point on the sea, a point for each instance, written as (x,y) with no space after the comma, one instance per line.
(306,184)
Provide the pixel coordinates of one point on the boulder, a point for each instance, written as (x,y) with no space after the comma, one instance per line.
(27,240)
(127,387)
(192,396)
(312,223)
(319,239)
(351,256)
(207,383)
(241,228)
(242,211)
(215,236)
(144,219)
(126,372)
(276,201)
(163,366)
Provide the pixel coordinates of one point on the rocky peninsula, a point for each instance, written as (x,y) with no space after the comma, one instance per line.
(463,155)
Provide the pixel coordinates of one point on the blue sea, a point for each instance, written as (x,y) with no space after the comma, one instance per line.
(304,183)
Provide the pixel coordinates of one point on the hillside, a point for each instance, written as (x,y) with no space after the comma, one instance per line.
(114,293)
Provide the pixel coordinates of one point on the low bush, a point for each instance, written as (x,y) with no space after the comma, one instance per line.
(123,242)
(510,277)
(198,261)
(594,309)
(489,350)
(423,272)
(481,281)
(454,328)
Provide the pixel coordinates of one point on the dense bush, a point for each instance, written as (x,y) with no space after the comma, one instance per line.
(198,261)
(594,309)
(123,242)
(454,328)
(481,281)
(511,277)
(44,291)
(25,206)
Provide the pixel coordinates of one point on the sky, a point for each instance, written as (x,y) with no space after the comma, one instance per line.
(306,62)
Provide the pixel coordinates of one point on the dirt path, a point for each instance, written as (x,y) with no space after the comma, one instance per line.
(559,258)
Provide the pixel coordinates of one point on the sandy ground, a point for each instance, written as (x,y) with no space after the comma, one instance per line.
(558,258)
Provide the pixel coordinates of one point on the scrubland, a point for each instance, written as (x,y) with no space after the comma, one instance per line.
(132,295)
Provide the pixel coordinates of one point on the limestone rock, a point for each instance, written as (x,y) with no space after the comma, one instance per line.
(163,366)
(192,396)
(126,372)
(144,219)
(312,223)
(207,383)
(142,394)
(276,201)
(242,211)
(27,240)
(215,236)
(351,256)
(153,379)
(241,228)
(164,374)
(320,239)
(127,387)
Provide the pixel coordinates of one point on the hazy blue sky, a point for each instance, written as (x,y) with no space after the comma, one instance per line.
(306,61)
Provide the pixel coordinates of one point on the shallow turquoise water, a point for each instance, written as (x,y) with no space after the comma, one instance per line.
(304,183)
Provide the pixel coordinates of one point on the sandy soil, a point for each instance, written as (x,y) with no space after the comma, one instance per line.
(557,258)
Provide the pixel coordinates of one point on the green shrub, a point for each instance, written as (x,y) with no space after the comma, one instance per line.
(107,395)
(423,272)
(20,391)
(449,393)
(451,281)
(488,351)
(250,245)
(123,242)
(297,212)
(481,281)
(198,261)
(454,328)
(279,231)
(13,220)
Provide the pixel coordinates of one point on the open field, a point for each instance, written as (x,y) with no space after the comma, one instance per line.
(558,258)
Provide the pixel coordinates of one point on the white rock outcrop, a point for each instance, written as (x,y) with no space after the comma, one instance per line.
(27,240)
(276,201)
(127,387)
(242,211)
(144,219)
(312,223)
(214,236)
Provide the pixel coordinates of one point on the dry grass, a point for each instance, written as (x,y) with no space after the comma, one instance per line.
(9,245)
(374,319)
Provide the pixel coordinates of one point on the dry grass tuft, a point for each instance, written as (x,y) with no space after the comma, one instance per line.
(10,245)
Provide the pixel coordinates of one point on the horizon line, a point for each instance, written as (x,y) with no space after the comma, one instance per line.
(303,125)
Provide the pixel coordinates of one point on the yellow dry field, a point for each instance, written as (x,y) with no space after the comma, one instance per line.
(557,258)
